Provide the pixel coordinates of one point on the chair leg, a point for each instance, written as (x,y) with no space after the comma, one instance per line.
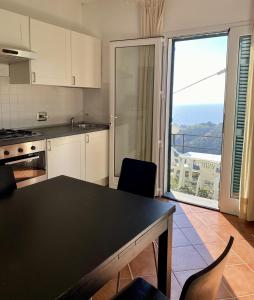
(155,256)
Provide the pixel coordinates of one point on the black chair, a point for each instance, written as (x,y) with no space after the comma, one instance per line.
(202,285)
(7,180)
(137,177)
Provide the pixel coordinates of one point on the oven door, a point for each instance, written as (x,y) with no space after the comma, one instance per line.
(28,169)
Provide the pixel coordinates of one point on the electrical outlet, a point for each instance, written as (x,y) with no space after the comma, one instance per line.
(42,116)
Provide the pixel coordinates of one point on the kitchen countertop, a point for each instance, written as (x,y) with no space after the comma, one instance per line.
(55,131)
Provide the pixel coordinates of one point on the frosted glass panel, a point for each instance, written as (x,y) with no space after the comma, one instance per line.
(134,77)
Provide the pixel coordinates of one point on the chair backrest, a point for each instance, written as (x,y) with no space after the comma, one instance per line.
(138,177)
(7,180)
(205,284)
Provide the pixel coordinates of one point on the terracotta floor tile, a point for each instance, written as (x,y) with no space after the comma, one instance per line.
(174,225)
(245,250)
(187,258)
(210,252)
(184,275)
(208,231)
(183,221)
(175,288)
(179,239)
(212,218)
(125,273)
(106,292)
(197,209)
(201,235)
(251,266)
(249,297)
(224,231)
(240,279)
(144,264)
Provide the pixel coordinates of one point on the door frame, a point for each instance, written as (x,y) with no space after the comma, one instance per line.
(227,203)
(171,55)
(158,42)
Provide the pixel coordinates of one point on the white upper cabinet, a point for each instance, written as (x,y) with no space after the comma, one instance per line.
(86,60)
(53,45)
(14,30)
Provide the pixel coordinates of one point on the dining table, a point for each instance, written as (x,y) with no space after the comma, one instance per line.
(64,238)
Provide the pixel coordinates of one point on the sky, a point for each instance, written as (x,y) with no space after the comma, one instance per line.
(194,60)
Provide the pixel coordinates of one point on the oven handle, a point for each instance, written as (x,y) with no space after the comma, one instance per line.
(22,160)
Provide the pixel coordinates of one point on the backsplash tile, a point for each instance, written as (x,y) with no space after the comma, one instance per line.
(19,104)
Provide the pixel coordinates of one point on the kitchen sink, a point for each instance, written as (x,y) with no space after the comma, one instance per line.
(86,126)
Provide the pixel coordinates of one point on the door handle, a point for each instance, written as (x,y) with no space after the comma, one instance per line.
(33,77)
(29,159)
(73,80)
(87,138)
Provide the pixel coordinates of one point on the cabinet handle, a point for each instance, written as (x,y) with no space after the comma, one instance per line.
(33,77)
(49,145)
(87,138)
(73,80)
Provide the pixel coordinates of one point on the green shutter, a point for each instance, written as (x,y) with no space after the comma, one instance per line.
(242,86)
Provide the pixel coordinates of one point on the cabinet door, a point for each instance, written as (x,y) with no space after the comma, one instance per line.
(14,30)
(52,43)
(86,60)
(64,156)
(96,162)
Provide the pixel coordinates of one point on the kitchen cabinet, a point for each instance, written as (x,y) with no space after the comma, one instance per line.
(96,157)
(64,57)
(64,156)
(85,60)
(53,45)
(83,156)
(14,30)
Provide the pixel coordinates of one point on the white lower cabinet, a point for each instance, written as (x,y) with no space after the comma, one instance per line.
(96,157)
(83,156)
(64,156)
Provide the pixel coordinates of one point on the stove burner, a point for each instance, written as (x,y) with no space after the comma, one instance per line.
(12,133)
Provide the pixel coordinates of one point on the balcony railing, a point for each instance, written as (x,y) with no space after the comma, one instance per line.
(184,142)
(195,164)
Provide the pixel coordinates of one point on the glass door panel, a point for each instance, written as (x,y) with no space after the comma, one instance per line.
(134,91)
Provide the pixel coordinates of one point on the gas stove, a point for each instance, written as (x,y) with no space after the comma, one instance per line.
(6,134)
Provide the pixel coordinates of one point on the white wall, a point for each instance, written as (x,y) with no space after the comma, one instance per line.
(118,19)
(19,104)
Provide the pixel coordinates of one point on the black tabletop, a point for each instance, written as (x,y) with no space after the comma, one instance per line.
(55,232)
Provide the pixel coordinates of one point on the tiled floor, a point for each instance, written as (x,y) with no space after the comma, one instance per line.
(199,236)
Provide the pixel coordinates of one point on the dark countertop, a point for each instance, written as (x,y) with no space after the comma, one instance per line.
(55,131)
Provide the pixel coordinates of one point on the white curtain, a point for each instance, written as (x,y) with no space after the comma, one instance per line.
(247,173)
(151,26)
(152,17)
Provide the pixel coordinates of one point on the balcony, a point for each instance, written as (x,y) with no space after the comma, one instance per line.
(195,168)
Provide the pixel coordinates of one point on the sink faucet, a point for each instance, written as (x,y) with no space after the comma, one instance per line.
(72,122)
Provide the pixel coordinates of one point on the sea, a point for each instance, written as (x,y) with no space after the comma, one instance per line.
(197,114)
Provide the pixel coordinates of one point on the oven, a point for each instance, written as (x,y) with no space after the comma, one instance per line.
(28,161)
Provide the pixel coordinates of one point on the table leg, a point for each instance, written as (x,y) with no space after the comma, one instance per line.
(165,259)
